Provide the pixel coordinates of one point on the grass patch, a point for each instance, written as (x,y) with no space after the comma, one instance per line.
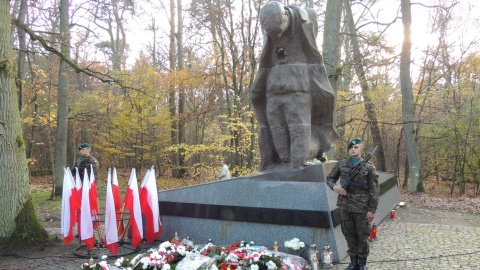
(49,211)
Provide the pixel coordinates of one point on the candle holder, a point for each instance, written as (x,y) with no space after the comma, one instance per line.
(373,233)
(275,246)
(392,214)
(175,239)
(327,257)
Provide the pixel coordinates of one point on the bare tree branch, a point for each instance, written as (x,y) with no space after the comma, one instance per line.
(106,78)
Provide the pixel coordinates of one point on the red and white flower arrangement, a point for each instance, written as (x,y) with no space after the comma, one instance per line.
(186,256)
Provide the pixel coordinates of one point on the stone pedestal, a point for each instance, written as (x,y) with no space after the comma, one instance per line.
(266,207)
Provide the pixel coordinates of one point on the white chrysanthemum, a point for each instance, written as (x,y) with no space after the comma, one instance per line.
(271,265)
(165,245)
(254,267)
(231,257)
(145,263)
(119,261)
(181,250)
(294,244)
(166,267)
(156,255)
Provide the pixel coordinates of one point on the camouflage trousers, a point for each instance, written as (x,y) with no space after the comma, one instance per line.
(356,231)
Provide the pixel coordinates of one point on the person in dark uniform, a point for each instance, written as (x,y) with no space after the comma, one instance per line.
(85,160)
(357,202)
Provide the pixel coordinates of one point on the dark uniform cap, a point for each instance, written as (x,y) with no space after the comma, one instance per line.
(84,145)
(354,142)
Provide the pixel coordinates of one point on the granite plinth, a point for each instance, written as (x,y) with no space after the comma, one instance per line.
(266,207)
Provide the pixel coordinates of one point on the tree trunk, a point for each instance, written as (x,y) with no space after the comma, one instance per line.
(22,53)
(331,49)
(62,101)
(181,94)
(172,96)
(332,43)
(345,85)
(14,180)
(408,109)
(367,96)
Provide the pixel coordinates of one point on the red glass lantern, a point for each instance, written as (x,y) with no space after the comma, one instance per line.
(373,233)
(392,214)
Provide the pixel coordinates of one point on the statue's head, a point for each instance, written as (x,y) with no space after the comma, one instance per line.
(274,18)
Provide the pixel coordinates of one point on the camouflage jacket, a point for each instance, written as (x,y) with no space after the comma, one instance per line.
(366,182)
(84,163)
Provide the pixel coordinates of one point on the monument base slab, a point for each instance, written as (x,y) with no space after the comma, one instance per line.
(265,208)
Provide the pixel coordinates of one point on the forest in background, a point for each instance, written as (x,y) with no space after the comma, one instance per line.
(183,103)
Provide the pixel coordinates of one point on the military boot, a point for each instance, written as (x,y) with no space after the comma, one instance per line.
(362,263)
(353,263)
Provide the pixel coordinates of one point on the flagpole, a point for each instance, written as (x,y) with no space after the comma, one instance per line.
(120,219)
(125,231)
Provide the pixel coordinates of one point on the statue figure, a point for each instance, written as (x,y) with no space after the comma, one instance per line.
(291,95)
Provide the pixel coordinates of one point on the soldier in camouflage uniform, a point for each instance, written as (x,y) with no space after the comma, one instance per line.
(357,203)
(85,160)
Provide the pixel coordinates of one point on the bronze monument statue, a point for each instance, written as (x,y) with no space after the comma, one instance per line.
(292,97)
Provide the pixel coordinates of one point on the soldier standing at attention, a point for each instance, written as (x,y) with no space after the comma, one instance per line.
(85,160)
(357,202)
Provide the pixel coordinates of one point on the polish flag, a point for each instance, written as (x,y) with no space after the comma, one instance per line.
(74,183)
(145,178)
(132,203)
(118,201)
(78,188)
(70,203)
(111,234)
(149,204)
(78,183)
(93,198)
(86,226)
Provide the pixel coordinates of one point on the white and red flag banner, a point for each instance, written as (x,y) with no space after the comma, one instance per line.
(70,203)
(132,203)
(118,200)
(78,183)
(150,209)
(111,234)
(93,198)
(78,188)
(86,225)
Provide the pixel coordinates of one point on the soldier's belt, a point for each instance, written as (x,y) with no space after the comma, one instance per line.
(357,191)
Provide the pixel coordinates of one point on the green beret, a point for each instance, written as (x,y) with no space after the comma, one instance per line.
(354,142)
(84,145)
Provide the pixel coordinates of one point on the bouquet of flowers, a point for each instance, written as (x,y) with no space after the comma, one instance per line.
(294,244)
(241,255)
(165,257)
(184,256)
